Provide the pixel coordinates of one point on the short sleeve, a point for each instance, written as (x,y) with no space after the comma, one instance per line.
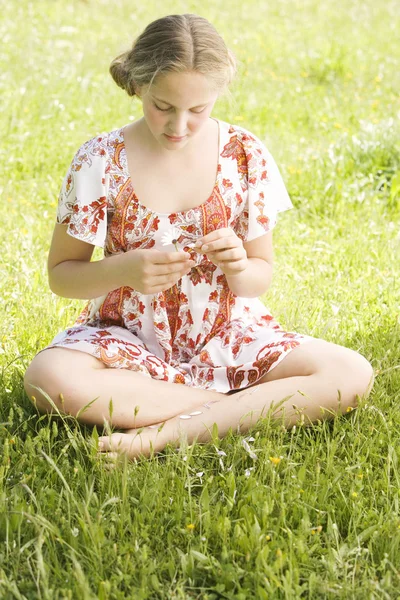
(264,191)
(82,203)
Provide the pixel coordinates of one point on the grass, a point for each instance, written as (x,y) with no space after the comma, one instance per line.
(316,515)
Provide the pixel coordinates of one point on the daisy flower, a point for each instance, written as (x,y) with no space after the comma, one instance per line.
(171,237)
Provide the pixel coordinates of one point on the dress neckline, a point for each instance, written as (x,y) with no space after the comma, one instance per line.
(178,212)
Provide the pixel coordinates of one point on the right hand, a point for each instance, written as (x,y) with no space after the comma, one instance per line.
(150,271)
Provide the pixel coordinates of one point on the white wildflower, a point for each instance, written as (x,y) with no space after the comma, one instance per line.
(171,237)
(249,450)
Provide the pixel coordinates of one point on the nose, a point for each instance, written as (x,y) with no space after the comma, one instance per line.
(178,124)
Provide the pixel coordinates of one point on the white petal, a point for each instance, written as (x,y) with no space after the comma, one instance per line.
(175,233)
(169,236)
(166,239)
(249,450)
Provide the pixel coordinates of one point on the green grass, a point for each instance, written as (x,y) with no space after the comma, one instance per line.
(318,82)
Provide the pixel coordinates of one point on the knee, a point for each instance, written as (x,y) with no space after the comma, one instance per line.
(40,381)
(355,376)
(362,375)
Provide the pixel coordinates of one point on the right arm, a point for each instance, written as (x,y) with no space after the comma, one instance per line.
(73,275)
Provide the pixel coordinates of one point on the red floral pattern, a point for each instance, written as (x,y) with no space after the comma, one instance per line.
(196,333)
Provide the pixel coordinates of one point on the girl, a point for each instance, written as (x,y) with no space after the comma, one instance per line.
(184,205)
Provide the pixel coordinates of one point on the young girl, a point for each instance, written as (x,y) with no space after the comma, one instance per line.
(184,205)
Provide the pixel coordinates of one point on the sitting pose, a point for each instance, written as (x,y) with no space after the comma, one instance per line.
(174,337)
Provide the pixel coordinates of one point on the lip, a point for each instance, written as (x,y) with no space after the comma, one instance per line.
(174,139)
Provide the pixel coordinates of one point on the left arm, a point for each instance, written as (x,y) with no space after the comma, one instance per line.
(253,281)
(247,266)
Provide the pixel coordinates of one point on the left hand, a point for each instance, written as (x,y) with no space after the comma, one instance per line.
(224,249)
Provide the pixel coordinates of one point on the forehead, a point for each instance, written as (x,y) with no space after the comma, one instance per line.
(184,90)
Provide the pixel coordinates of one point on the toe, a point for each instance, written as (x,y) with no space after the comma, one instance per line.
(110,442)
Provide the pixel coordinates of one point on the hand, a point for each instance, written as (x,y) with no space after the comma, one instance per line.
(150,271)
(225,249)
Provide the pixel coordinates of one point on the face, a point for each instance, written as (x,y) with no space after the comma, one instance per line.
(176,107)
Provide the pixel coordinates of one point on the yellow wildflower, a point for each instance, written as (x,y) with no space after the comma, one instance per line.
(275,460)
(190,526)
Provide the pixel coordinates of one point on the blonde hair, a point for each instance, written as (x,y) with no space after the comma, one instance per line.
(176,43)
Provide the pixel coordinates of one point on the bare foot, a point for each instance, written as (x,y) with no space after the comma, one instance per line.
(146,440)
(133,442)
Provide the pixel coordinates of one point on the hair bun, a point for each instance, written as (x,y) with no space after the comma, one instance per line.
(120,73)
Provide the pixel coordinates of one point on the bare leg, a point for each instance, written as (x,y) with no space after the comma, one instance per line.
(336,376)
(72,379)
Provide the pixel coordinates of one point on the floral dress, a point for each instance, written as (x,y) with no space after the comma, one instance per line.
(197,333)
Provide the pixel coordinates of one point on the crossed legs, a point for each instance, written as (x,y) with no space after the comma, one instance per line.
(315,381)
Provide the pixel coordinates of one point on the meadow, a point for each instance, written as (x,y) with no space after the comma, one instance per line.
(316,513)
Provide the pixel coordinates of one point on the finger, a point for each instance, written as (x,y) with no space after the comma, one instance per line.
(224,243)
(230,255)
(164,282)
(171,257)
(174,268)
(217,234)
(234,266)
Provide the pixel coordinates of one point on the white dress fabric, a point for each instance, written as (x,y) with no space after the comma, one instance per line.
(197,333)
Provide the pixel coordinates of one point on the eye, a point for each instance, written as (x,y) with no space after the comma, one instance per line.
(160,109)
(197,112)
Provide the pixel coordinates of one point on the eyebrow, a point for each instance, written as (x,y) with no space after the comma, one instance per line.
(164,102)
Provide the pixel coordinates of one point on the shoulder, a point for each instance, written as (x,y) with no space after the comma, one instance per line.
(243,138)
(93,151)
(243,145)
(248,150)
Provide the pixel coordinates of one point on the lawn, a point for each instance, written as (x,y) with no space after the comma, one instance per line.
(316,513)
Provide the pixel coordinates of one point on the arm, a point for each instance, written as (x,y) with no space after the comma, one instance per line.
(256,278)
(253,281)
(72,274)
(148,271)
